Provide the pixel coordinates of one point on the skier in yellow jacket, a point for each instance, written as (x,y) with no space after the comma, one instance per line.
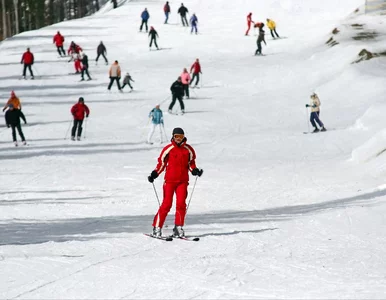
(315,112)
(272,26)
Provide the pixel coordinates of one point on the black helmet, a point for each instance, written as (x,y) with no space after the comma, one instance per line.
(178,131)
(81,99)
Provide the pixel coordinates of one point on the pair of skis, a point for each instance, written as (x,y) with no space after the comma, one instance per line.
(170,238)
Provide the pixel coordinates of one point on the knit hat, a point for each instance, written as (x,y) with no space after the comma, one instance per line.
(81,99)
(178,131)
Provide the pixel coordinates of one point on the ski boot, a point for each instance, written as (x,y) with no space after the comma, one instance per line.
(316,130)
(178,232)
(157,232)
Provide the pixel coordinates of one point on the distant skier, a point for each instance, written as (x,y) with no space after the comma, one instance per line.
(153,37)
(101,50)
(126,81)
(58,40)
(166,11)
(260,38)
(193,23)
(12,119)
(85,67)
(115,74)
(177,90)
(15,101)
(196,69)
(315,112)
(157,120)
(249,22)
(185,79)
(115,4)
(145,17)
(183,11)
(177,159)
(28,60)
(79,111)
(272,27)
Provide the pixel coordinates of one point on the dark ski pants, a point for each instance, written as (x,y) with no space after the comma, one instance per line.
(144,22)
(112,81)
(61,50)
(194,27)
(155,42)
(315,117)
(258,51)
(184,21)
(99,54)
(179,98)
(127,84)
(77,125)
(186,89)
(18,127)
(197,76)
(85,70)
(115,4)
(29,69)
(166,17)
(274,31)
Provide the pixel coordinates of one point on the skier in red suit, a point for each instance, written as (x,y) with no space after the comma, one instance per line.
(249,22)
(177,158)
(58,40)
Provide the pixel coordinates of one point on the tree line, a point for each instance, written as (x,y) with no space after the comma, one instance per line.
(22,15)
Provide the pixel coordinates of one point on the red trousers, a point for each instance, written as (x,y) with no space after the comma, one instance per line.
(77,65)
(249,27)
(181,190)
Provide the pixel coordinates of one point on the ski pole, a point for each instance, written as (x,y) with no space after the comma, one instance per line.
(69,126)
(201,79)
(85,128)
(36,72)
(167,98)
(191,195)
(308,124)
(155,191)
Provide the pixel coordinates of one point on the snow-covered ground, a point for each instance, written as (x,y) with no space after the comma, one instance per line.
(280,214)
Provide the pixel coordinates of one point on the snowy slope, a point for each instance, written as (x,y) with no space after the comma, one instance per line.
(280,214)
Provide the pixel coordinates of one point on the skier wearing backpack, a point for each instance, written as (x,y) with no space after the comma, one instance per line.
(78,110)
(315,112)
(157,120)
(12,119)
(177,159)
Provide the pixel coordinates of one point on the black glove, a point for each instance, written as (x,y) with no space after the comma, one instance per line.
(25,123)
(152,176)
(86,116)
(8,125)
(197,172)
(307,105)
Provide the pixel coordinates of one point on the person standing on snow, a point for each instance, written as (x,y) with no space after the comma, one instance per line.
(315,112)
(272,27)
(185,79)
(78,111)
(58,41)
(166,11)
(115,74)
(178,159)
(145,17)
(12,119)
(196,69)
(28,60)
(193,23)
(153,37)
(157,120)
(260,38)
(14,101)
(127,80)
(177,90)
(74,49)
(101,50)
(85,67)
(183,11)
(249,22)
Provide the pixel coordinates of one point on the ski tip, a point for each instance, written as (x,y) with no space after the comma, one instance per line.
(196,239)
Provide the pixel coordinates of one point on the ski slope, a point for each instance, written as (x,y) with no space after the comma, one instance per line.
(279,213)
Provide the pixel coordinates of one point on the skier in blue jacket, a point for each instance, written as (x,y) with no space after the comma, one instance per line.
(157,119)
(145,17)
(193,23)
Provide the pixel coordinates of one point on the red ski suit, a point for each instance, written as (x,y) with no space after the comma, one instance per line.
(58,40)
(79,110)
(249,22)
(196,68)
(178,160)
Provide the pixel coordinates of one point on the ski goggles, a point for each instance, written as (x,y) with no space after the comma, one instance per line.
(178,136)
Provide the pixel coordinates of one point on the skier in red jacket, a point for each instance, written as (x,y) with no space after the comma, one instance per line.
(78,111)
(28,60)
(249,22)
(58,41)
(196,69)
(177,158)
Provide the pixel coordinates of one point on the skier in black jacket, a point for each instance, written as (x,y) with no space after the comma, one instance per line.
(85,67)
(101,50)
(183,11)
(260,38)
(12,119)
(153,37)
(177,89)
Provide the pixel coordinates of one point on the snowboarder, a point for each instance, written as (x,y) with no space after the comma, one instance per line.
(193,23)
(115,74)
(85,67)
(58,41)
(249,22)
(78,64)
(177,90)
(127,80)
(166,11)
(196,69)
(185,79)
(28,60)
(145,17)
(14,101)
(177,158)
(12,119)
(157,120)
(153,37)
(183,11)
(115,4)
(315,112)
(78,111)
(260,38)
(272,27)
(101,50)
